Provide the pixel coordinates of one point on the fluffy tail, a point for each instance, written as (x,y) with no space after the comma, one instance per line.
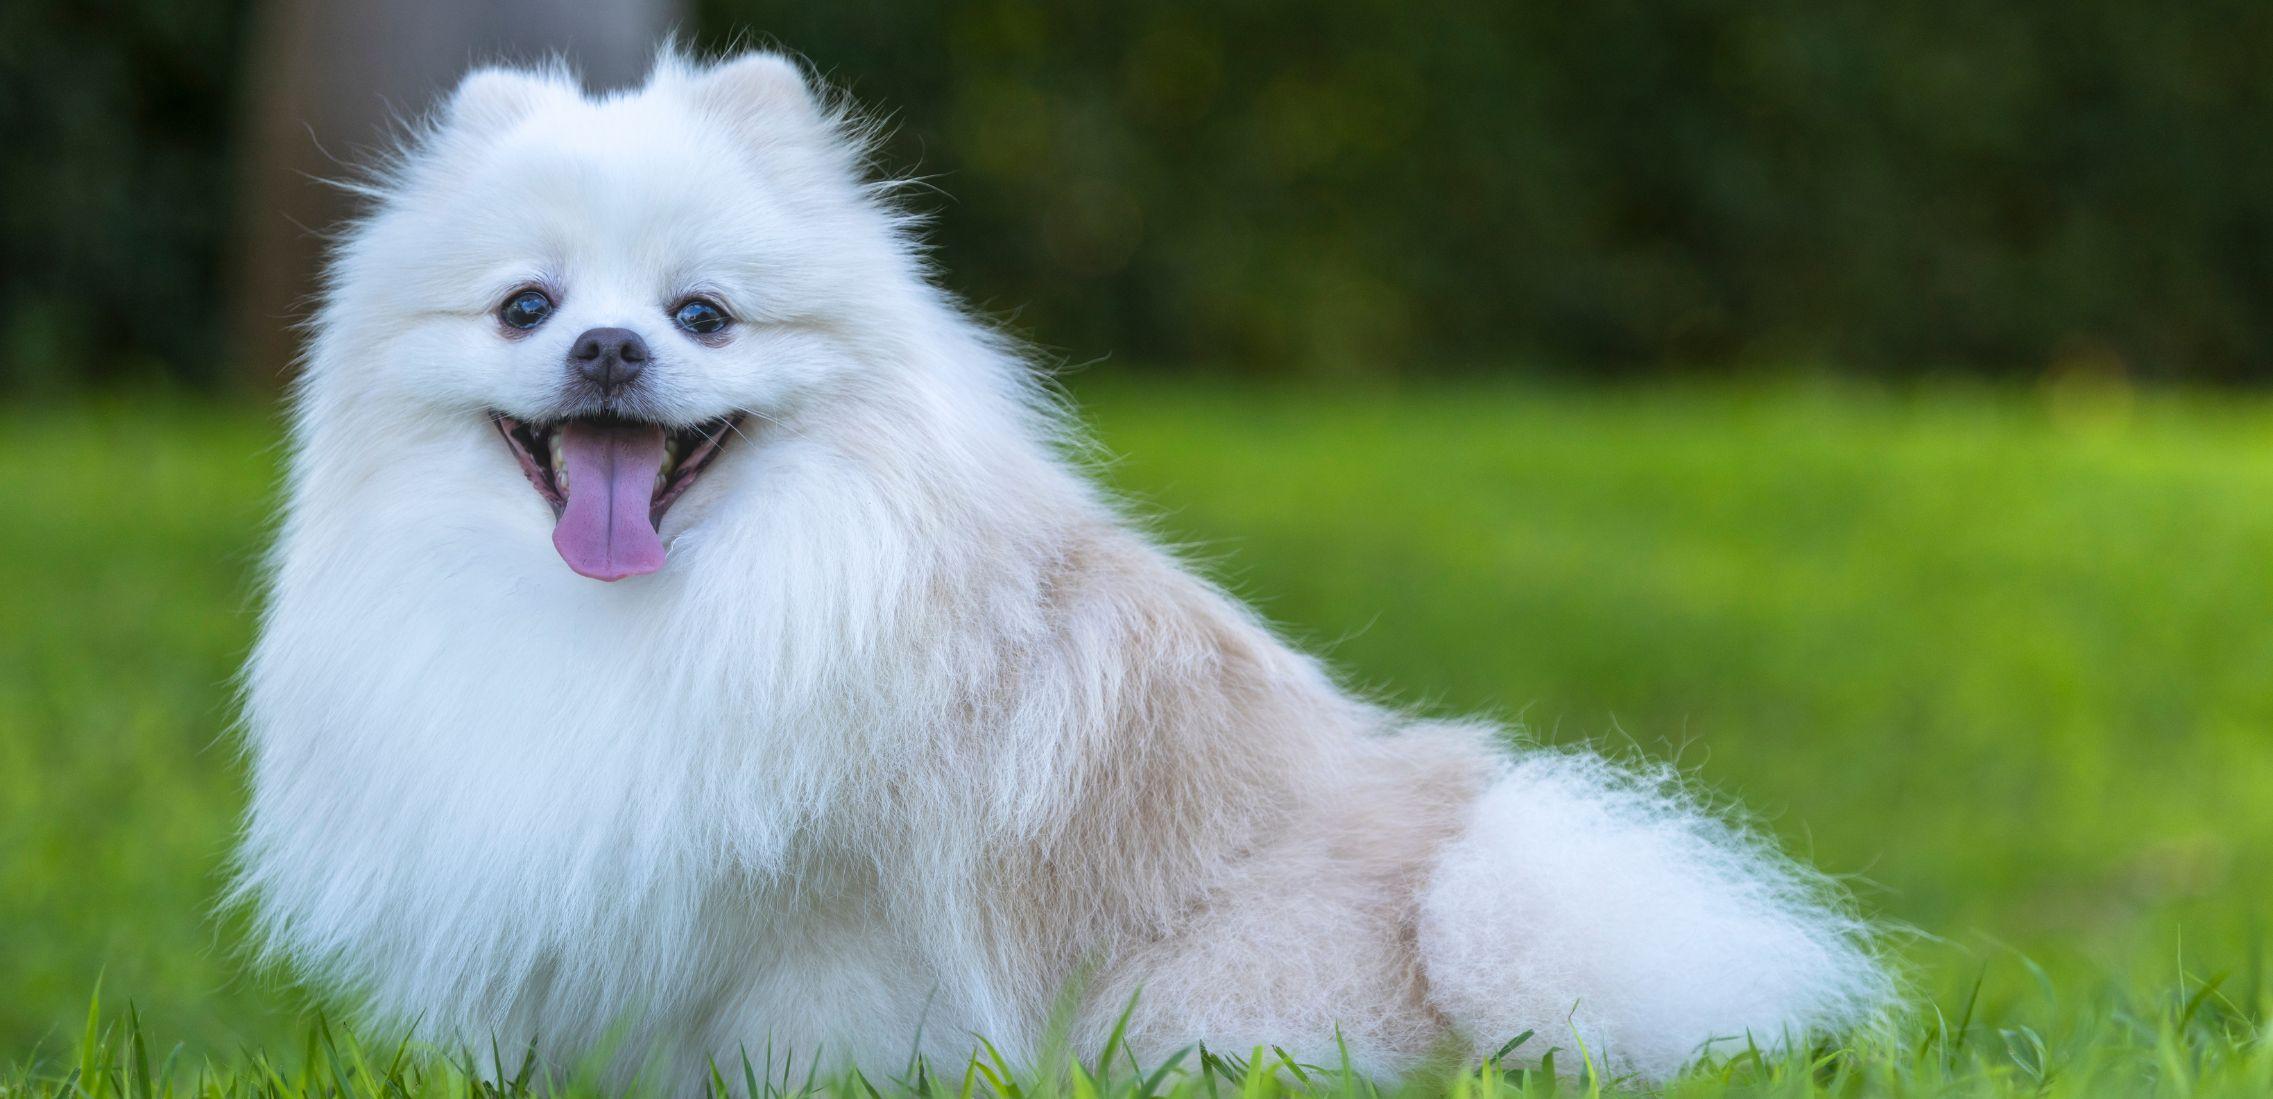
(1584,896)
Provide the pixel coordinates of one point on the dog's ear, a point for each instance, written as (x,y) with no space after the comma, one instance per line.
(490,100)
(760,94)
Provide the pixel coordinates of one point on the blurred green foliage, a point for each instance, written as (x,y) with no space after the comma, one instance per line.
(117,187)
(1359,186)
(1636,184)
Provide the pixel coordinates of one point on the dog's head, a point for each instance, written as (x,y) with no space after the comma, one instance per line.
(613,291)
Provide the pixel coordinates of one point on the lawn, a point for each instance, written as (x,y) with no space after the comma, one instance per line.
(2005,656)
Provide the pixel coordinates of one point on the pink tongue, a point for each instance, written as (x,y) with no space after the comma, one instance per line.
(604,532)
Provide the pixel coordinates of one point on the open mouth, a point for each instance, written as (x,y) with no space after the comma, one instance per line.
(609,482)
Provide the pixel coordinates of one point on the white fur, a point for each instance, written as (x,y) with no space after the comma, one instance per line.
(914,733)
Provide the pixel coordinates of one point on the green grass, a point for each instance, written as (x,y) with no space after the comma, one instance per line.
(2007,656)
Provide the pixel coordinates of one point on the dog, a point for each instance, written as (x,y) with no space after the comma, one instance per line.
(689,631)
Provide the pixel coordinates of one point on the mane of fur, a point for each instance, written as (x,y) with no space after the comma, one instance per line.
(915,734)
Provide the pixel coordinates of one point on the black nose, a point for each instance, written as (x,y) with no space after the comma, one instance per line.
(609,358)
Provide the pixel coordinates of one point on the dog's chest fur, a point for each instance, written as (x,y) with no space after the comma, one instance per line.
(567,814)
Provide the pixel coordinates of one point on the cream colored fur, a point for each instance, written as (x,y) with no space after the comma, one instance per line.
(914,733)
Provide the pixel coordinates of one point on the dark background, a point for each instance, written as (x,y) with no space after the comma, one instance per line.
(1348,188)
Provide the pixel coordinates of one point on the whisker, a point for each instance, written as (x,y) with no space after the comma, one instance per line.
(735,426)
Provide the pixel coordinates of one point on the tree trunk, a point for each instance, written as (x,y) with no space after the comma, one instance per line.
(333,77)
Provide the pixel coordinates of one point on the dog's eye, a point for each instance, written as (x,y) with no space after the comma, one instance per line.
(525,310)
(703,318)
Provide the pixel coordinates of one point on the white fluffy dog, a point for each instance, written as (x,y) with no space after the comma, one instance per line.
(891,730)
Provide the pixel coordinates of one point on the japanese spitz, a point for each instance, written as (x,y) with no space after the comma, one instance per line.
(687,631)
